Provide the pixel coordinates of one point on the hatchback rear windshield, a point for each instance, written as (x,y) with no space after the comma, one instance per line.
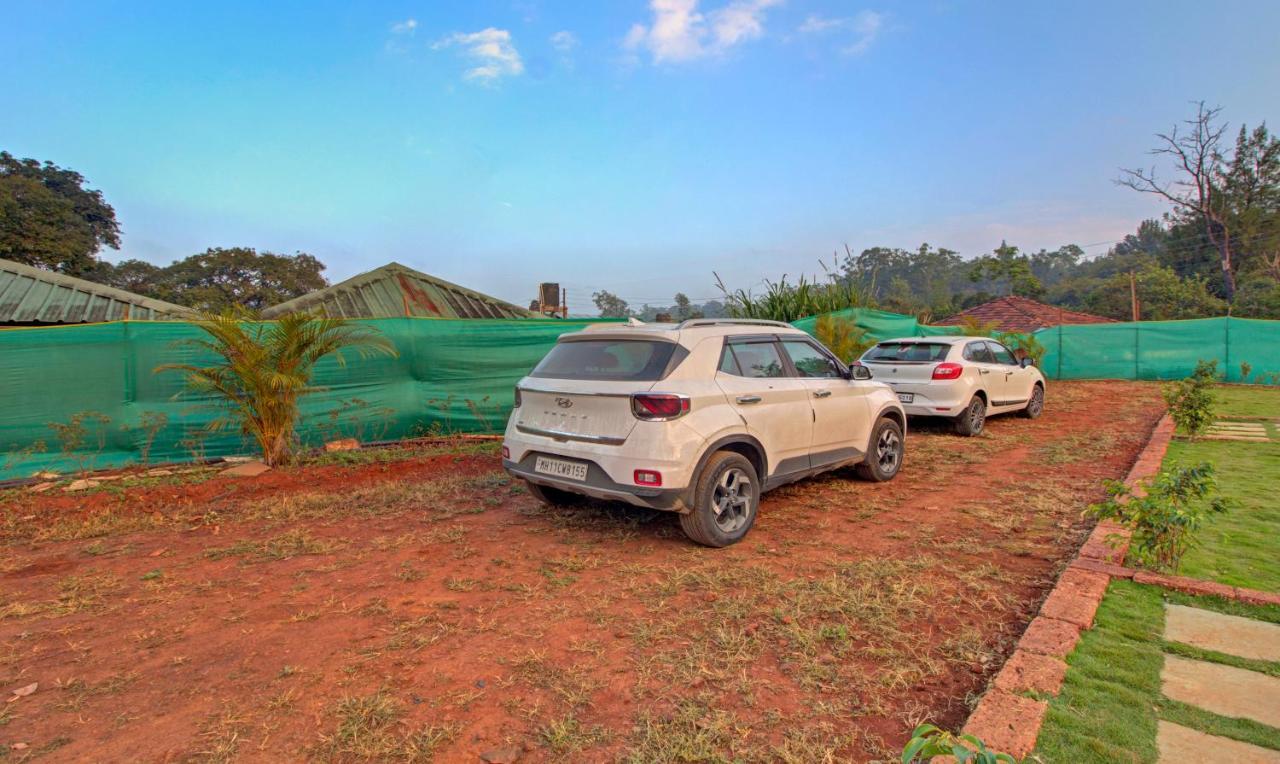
(907,352)
(623,360)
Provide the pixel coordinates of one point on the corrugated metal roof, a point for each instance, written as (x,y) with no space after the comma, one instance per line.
(33,296)
(395,290)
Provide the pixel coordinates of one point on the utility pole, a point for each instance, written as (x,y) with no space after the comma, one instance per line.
(1133,295)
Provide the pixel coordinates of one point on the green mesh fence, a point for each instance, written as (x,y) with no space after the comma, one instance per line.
(450,376)
(1164,349)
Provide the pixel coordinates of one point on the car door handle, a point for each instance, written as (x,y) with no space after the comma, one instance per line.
(748,399)
(984,371)
(821,393)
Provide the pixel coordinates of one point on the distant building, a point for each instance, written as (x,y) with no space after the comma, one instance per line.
(395,290)
(1019,314)
(36,297)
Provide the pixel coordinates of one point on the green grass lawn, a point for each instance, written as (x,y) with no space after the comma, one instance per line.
(1242,546)
(1248,401)
(1110,702)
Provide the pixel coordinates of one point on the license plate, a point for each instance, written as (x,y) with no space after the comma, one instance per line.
(560,468)
(906,397)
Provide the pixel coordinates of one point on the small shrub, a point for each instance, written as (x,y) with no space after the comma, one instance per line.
(85,430)
(842,336)
(1023,345)
(1191,401)
(1246,369)
(1165,517)
(928,741)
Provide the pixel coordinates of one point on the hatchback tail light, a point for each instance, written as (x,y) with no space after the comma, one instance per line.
(659,407)
(947,371)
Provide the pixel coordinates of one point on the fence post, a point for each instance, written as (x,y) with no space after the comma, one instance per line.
(1137,353)
(1226,348)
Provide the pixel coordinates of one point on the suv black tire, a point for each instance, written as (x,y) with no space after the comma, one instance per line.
(729,482)
(884,457)
(553,497)
(1035,406)
(973,418)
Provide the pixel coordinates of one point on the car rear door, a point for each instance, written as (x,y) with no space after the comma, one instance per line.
(990,374)
(1017,380)
(840,413)
(774,406)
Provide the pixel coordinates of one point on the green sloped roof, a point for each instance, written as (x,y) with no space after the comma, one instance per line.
(396,290)
(33,296)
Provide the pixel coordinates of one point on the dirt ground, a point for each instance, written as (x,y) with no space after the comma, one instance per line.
(404,604)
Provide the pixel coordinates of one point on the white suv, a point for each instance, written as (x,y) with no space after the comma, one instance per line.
(965,378)
(699,418)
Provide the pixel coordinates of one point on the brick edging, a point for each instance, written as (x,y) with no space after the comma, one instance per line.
(1005,719)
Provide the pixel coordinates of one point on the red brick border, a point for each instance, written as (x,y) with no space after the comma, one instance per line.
(1008,721)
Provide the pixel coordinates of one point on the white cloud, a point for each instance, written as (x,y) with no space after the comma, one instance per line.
(490,49)
(864,29)
(680,33)
(404,28)
(564,41)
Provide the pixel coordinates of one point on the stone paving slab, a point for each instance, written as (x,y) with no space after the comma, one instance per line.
(1228,634)
(1224,690)
(1179,744)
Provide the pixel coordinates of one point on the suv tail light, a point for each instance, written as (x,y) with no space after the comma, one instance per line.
(659,407)
(947,371)
(516,405)
(647,477)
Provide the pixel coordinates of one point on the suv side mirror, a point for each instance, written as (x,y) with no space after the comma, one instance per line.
(1027,361)
(858,371)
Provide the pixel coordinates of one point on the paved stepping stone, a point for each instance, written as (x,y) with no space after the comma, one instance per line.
(1181,744)
(1228,634)
(1224,690)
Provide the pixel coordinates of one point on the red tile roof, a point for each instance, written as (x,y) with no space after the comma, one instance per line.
(1019,314)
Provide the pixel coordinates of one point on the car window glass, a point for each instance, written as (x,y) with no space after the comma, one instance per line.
(907,352)
(809,361)
(631,360)
(759,359)
(978,353)
(728,363)
(1002,354)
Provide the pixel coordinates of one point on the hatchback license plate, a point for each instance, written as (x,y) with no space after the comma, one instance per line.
(906,397)
(560,468)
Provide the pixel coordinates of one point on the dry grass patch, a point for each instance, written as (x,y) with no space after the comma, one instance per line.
(371,728)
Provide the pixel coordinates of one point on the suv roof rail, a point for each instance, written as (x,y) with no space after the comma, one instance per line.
(692,322)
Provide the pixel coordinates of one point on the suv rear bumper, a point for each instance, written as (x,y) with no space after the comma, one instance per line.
(598,484)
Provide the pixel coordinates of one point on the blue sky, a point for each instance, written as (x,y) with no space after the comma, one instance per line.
(630,146)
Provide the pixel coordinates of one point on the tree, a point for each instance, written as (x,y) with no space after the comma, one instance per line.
(1233,201)
(219,279)
(610,305)
(1004,266)
(49,219)
(683,310)
(1162,296)
(263,369)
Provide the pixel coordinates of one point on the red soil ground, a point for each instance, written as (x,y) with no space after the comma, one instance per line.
(426,605)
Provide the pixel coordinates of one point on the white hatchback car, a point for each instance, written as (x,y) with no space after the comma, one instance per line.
(965,378)
(699,418)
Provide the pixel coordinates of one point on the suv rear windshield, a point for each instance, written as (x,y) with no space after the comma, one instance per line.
(623,360)
(907,352)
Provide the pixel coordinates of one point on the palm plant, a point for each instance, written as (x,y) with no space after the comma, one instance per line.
(263,369)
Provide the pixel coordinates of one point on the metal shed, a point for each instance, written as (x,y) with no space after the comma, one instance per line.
(33,297)
(395,290)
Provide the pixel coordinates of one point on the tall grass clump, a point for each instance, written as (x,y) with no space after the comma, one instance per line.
(785,301)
